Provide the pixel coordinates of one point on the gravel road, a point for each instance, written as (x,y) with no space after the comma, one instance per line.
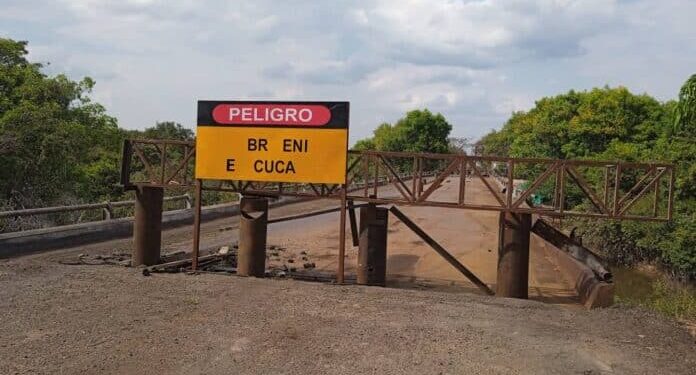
(106,319)
(63,319)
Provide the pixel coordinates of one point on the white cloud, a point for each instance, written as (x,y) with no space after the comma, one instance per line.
(475,61)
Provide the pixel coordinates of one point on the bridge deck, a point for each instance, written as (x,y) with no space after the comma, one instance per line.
(471,236)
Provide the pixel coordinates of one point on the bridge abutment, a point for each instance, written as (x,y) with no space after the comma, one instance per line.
(513,255)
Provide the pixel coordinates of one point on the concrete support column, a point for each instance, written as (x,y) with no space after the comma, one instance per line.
(251,256)
(513,255)
(147,229)
(372,251)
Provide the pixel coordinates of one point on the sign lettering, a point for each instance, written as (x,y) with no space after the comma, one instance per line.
(272,141)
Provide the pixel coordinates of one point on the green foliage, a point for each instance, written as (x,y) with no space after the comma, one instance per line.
(52,137)
(656,293)
(685,111)
(56,145)
(168,130)
(614,124)
(674,301)
(418,131)
(364,144)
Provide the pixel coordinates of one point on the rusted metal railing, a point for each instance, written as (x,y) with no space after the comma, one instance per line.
(579,188)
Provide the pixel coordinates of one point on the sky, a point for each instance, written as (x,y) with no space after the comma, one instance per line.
(473,61)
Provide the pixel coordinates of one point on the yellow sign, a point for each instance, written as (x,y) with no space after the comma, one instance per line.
(254,148)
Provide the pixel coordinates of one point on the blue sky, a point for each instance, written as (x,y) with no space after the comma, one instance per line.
(473,61)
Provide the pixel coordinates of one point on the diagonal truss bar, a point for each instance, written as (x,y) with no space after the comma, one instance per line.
(436,184)
(397,180)
(643,191)
(354,163)
(539,180)
(350,168)
(485,182)
(637,186)
(189,155)
(314,188)
(584,186)
(141,156)
(441,250)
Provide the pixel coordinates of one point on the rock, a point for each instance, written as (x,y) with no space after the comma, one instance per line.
(224,250)
(309,265)
(303,252)
(291,260)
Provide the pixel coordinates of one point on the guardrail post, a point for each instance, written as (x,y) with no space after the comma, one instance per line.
(147,229)
(187,200)
(372,251)
(513,255)
(107,211)
(251,257)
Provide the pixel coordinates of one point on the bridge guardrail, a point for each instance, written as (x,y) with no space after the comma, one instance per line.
(107,208)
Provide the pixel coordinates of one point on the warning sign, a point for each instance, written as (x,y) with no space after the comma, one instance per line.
(272,141)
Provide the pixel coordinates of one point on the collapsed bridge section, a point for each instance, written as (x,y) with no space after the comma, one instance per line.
(517,188)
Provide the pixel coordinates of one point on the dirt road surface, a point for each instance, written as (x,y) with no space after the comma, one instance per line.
(106,319)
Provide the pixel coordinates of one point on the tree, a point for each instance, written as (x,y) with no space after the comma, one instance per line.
(169,130)
(418,131)
(460,145)
(615,124)
(685,111)
(364,144)
(53,140)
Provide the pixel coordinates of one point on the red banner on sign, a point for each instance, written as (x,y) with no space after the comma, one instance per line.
(272,114)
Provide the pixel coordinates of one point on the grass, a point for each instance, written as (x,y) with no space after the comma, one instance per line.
(675,301)
(657,292)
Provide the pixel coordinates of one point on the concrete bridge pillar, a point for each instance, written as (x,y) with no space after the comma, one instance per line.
(147,229)
(513,255)
(253,227)
(372,251)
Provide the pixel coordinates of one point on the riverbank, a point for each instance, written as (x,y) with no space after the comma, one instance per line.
(647,287)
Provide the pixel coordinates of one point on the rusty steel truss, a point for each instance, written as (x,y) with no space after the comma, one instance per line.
(548,187)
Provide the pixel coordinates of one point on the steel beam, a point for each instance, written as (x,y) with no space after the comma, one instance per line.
(147,229)
(251,259)
(372,253)
(440,250)
(513,255)
(353,223)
